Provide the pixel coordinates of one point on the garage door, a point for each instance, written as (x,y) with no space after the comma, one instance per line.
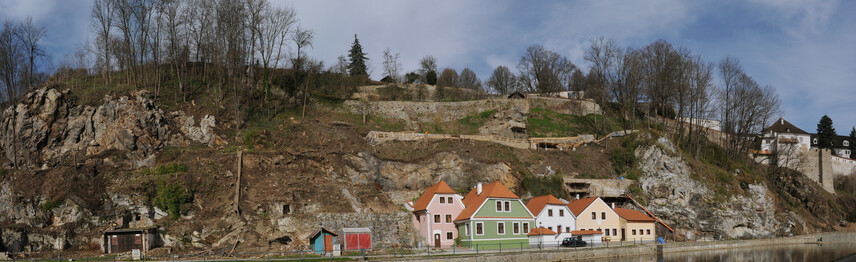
(365,241)
(352,242)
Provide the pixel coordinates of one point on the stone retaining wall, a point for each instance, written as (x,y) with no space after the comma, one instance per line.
(387,228)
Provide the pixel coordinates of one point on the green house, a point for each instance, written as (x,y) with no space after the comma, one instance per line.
(494,218)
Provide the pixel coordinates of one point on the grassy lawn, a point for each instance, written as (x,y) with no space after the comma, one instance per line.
(546,123)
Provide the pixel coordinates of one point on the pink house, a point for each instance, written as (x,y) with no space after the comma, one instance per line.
(434,212)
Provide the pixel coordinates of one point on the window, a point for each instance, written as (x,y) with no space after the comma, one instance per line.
(507,206)
(500,228)
(448,218)
(442,200)
(633,232)
(648,232)
(526,228)
(437,219)
(450,200)
(550,228)
(467,229)
(614,232)
(479,228)
(516,228)
(567,229)
(814,141)
(593,215)
(606,233)
(549,212)
(449,235)
(603,215)
(498,206)
(561,212)
(559,229)
(846,143)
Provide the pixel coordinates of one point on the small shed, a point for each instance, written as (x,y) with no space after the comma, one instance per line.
(516,95)
(589,236)
(127,239)
(357,238)
(543,237)
(322,241)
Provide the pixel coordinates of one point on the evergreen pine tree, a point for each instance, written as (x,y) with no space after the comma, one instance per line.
(357,66)
(825,133)
(431,77)
(852,142)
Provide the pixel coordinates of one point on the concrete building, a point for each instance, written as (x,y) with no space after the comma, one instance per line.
(553,214)
(543,237)
(494,217)
(433,213)
(783,136)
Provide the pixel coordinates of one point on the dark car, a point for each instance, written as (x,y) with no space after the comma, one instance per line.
(573,242)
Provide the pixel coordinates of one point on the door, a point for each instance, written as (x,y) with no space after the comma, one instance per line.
(328,244)
(437,240)
(622,234)
(352,242)
(365,241)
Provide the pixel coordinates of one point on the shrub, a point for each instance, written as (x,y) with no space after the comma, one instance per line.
(624,157)
(170,196)
(50,204)
(431,78)
(539,186)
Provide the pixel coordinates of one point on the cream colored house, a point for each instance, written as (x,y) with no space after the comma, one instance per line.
(637,226)
(593,213)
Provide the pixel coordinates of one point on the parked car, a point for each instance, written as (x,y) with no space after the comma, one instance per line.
(573,242)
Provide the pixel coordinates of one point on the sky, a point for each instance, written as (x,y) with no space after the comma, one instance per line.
(805,49)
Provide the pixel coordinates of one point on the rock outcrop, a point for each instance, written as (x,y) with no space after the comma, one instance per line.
(689,205)
(45,128)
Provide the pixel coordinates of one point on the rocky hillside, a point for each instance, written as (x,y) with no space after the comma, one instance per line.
(72,170)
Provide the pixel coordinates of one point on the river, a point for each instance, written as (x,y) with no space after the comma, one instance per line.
(793,252)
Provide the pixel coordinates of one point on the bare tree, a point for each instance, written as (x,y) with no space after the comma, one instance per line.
(543,71)
(101,19)
(469,80)
(391,66)
(448,78)
(302,38)
(11,60)
(427,64)
(502,81)
(30,35)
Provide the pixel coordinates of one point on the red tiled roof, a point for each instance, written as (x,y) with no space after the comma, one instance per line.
(423,201)
(585,232)
(541,231)
(536,204)
(577,206)
(633,215)
(473,199)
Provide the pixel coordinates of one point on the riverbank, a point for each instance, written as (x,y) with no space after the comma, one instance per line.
(646,249)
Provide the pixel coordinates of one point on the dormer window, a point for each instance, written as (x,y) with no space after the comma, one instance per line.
(846,143)
(814,141)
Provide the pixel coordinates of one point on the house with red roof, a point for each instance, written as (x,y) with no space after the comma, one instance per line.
(593,214)
(553,214)
(494,218)
(637,226)
(543,237)
(434,212)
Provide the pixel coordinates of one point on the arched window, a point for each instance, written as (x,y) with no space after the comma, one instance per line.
(814,141)
(846,143)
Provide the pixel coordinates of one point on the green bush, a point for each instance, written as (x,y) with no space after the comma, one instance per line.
(624,157)
(431,78)
(170,168)
(547,185)
(251,137)
(50,204)
(170,196)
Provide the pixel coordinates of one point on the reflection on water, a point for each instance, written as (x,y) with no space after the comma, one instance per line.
(796,252)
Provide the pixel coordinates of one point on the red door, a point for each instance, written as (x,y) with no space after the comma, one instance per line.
(352,242)
(328,243)
(365,241)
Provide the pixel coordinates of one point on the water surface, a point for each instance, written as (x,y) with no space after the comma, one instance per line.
(793,252)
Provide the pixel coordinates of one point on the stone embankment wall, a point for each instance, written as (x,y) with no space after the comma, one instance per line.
(565,106)
(529,143)
(388,229)
(818,171)
(450,111)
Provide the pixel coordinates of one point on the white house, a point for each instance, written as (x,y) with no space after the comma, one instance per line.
(783,136)
(553,214)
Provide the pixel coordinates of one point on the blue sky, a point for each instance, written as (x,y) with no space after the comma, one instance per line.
(805,49)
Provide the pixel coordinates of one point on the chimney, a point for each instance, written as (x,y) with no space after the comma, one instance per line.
(578,196)
(613,205)
(782,121)
(478,188)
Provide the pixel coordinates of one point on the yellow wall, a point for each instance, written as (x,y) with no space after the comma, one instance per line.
(641,230)
(584,221)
